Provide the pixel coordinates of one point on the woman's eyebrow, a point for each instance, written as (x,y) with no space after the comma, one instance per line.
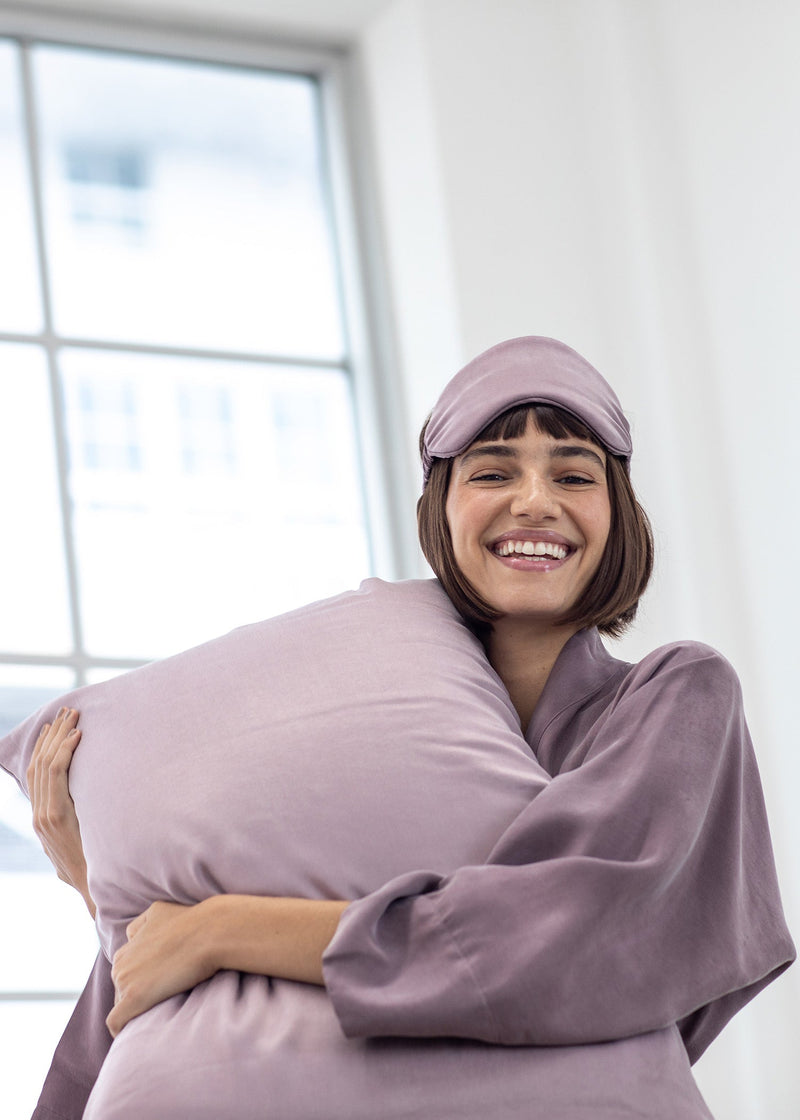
(568,451)
(508,451)
(503,450)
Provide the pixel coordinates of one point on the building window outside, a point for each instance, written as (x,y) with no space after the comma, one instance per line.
(176,411)
(208,442)
(107,185)
(109,440)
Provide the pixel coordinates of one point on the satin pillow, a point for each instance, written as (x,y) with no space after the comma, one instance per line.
(308,755)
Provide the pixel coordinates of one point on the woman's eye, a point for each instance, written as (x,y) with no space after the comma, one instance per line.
(488,476)
(576,480)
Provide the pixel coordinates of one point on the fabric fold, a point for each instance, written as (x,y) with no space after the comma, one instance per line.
(637,890)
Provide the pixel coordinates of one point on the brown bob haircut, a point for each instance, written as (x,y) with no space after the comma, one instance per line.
(610,600)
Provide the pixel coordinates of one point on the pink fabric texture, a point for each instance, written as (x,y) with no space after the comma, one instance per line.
(552,924)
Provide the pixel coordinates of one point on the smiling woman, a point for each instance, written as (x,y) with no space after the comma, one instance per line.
(572,460)
(505,501)
(620,907)
(529,520)
(533,526)
(529,523)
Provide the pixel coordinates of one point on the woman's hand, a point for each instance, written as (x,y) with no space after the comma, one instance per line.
(54,818)
(166,953)
(172,948)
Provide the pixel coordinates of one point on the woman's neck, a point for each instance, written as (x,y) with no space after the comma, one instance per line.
(523,654)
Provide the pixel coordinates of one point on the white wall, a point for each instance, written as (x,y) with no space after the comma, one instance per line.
(624,175)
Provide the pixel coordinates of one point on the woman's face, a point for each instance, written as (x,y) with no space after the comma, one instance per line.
(529,519)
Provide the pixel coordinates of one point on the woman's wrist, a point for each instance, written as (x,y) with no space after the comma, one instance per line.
(280,937)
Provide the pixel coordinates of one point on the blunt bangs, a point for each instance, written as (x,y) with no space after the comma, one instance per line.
(555,422)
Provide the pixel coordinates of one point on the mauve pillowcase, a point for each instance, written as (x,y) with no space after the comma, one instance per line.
(316,754)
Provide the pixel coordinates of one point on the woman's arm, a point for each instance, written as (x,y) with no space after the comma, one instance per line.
(54,818)
(636,891)
(173,948)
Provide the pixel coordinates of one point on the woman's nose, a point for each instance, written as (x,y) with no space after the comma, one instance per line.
(534,498)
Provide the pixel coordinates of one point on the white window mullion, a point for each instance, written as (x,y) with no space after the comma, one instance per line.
(50,346)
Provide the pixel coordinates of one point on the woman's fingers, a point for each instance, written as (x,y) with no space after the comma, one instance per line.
(125,1009)
(54,819)
(133,927)
(48,773)
(164,955)
(54,748)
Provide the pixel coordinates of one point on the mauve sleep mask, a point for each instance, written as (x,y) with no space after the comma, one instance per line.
(527,370)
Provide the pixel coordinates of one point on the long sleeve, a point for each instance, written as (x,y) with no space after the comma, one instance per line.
(637,890)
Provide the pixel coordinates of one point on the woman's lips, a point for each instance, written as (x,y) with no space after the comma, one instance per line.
(532,552)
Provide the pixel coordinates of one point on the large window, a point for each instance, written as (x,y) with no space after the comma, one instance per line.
(178,449)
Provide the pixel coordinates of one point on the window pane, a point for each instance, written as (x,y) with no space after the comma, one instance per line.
(20,308)
(31,892)
(184,204)
(206,495)
(33,590)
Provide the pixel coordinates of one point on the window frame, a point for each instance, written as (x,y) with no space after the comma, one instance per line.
(387,469)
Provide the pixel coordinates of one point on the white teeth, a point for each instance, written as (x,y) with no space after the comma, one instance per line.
(532,548)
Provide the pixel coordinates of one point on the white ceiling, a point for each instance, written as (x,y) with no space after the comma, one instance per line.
(331,20)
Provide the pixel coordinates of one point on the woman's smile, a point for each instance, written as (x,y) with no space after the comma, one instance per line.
(528,550)
(529,519)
